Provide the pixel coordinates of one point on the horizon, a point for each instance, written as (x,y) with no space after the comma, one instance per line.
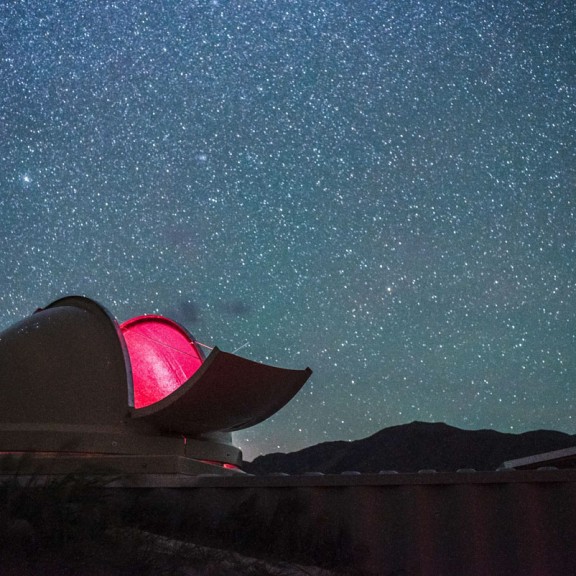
(405,424)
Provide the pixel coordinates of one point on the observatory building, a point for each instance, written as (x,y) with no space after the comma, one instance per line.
(78,390)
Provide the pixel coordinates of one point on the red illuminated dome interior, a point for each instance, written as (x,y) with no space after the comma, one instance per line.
(162,354)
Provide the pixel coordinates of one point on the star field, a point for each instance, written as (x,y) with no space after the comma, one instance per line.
(382,191)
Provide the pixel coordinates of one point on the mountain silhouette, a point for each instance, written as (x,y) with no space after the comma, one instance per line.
(413,447)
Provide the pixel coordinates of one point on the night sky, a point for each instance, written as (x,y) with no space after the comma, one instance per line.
(384,191)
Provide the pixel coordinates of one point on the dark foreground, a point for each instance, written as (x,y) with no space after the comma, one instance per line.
(474,523)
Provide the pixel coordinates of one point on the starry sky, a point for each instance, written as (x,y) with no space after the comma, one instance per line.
(383,191)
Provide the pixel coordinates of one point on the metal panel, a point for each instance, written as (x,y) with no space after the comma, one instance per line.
(226,393)
(66,365)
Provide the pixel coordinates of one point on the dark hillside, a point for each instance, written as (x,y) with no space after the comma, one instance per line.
(412,447)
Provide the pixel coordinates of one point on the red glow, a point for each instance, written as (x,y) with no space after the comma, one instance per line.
(221,464)
(162,354)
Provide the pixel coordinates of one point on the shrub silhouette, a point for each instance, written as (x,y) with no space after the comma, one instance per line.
(68,522)
(73,524)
